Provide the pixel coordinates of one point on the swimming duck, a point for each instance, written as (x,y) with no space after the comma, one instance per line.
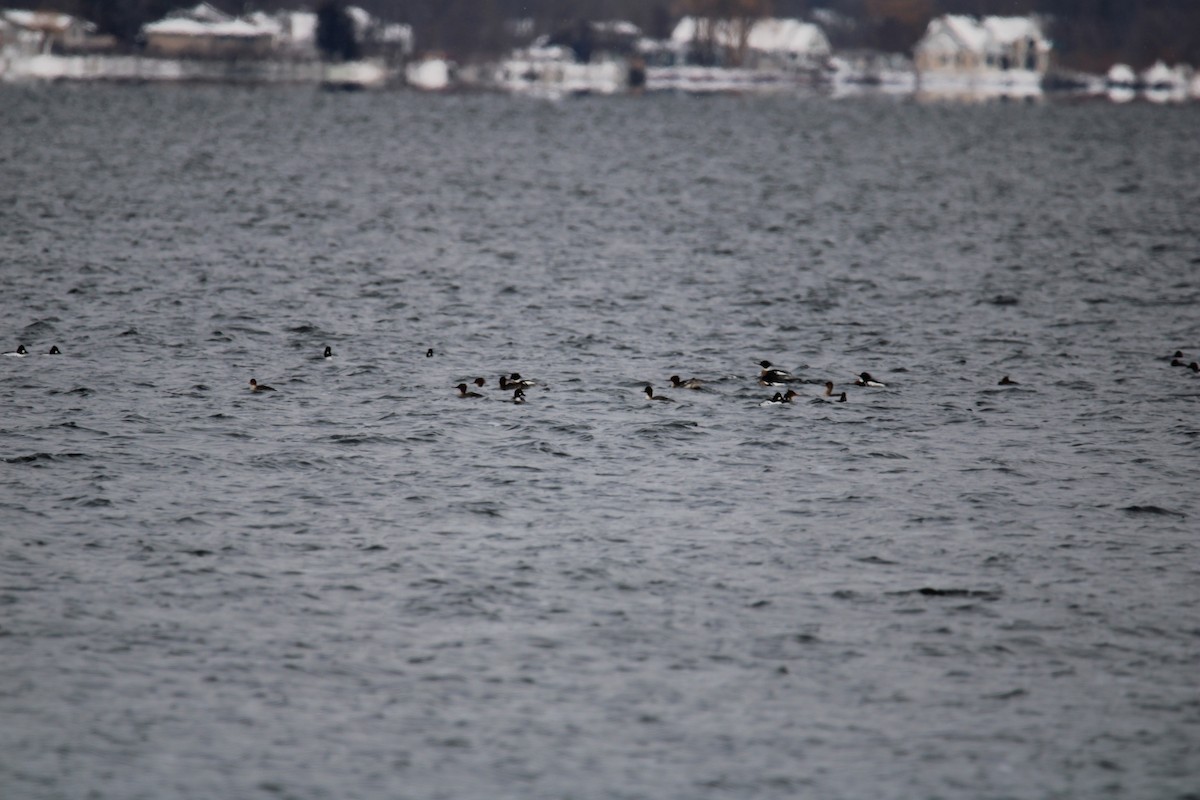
(1194,367)
(650,395)
(774,377)
(429,353)
(515,381)
(1007,381)
(1175,362)
(780,399)
(690,383)
(462,391)
(518,396)
(328,352)
(828,393)
(54,351)
(480,382)
(255,386)
(865,379)
(20,352)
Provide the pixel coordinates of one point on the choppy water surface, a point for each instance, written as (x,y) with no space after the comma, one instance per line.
(362,586)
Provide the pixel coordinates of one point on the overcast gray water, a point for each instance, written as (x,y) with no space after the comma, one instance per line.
(363,586)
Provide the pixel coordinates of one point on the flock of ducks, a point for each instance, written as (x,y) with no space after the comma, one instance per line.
(512,381)
(1177,360)
(769,376)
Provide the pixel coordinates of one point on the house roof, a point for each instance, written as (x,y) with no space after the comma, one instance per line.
(47,21)
(1007,30)
(966,31)
(191,27)
(201,12)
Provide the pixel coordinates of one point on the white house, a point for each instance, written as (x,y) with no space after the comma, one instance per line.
(42,32)
(203,31)
(181,37)
(779,44)
(960,45)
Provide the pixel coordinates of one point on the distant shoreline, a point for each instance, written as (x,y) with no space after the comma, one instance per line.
(137,69)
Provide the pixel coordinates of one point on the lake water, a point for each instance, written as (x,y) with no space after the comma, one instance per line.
(363,586)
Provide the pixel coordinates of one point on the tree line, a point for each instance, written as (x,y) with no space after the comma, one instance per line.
(1087,34)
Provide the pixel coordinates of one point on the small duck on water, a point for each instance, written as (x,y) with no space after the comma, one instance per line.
(650,395)
(780,399)
(255,386)
(833,398)
(770,376)
(690,383)
(515,381)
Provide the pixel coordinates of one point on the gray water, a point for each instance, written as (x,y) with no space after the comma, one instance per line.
(364,586)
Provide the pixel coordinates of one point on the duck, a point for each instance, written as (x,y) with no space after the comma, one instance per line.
(833,398)
(780,399)
(518,397)
(770,376)
(515,381)
(429,353)
(20,352)
(1194,367)
(1177,362)
(650,395)
(54,351)
(328,352)
(255,386)
(1007,381)
(480,382)
(462,391)
(690,383)
(865,379)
